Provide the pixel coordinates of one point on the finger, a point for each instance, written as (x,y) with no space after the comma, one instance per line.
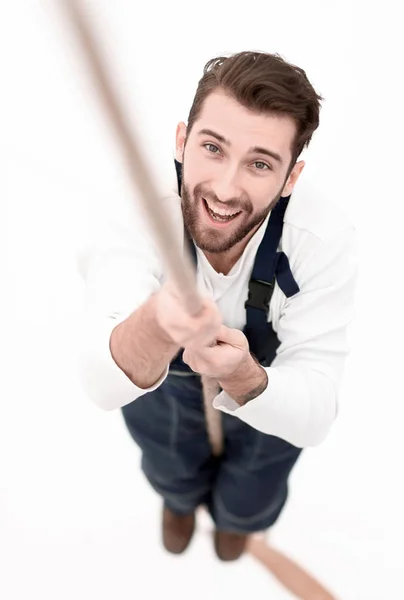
(234,337)
(200,348)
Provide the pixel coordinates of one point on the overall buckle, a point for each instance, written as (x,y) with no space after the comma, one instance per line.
(259,294)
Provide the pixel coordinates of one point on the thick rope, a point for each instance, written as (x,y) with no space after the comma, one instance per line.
(213,417)
(178,265)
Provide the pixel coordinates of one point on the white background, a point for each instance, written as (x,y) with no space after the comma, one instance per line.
(77,519)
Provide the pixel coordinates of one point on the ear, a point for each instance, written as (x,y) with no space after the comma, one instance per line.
(293,177)
(180,136)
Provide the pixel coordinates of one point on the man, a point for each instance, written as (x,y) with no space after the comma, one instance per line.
(277,276)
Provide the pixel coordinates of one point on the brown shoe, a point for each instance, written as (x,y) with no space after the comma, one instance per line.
(177,531)
(229,546)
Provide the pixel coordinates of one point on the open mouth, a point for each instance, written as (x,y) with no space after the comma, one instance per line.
(219,219)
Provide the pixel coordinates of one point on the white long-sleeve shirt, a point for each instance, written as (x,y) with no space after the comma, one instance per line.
(123,268)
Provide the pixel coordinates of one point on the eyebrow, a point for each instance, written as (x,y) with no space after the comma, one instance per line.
(254,149)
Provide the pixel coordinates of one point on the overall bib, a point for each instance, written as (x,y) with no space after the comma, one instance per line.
(245,489)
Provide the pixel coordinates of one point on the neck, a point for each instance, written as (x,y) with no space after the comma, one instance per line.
(223,262)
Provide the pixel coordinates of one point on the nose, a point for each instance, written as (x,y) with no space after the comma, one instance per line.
(227,185)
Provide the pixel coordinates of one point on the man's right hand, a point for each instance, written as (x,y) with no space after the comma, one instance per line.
(180,327)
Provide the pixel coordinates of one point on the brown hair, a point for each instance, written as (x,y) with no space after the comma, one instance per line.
(264,83)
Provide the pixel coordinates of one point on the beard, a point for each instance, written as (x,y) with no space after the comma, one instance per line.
(214,240)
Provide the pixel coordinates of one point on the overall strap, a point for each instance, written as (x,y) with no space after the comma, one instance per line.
(269,264)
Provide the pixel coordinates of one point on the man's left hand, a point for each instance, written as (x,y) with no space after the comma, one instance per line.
(226,358)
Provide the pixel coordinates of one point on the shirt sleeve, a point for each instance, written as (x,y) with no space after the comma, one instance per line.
(299,404)
(121,270)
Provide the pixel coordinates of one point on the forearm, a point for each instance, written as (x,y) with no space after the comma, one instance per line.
(140,348)
(249,382)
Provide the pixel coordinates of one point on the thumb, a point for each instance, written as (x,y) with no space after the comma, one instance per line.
(234,337)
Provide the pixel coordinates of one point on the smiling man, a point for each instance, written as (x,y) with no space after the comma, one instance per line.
(277,274)
(230,185)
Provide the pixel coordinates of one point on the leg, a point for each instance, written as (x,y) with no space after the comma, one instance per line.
(169,427)
(251,489)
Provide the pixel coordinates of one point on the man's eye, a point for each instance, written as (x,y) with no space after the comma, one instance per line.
(209,146)
(263,166)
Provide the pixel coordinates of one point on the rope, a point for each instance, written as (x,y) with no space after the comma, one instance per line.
(178,264)
(213,417)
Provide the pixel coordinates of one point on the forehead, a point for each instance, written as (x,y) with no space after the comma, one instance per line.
(245,128)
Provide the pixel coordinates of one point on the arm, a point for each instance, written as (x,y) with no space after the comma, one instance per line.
(141,348)
(251,381)
(108,374)
(299,403)
(121,271)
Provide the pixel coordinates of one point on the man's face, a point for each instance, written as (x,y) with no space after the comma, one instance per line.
(229,182)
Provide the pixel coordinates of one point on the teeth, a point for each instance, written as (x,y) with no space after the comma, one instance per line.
(220,212)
